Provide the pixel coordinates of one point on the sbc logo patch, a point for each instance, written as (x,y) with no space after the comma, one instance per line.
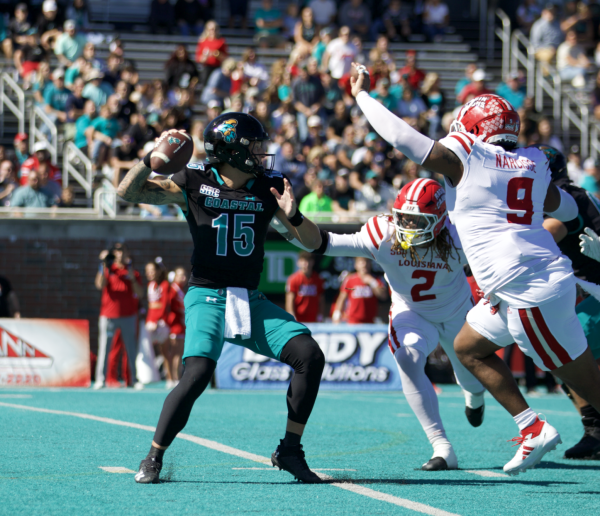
(227,129)
(209,190)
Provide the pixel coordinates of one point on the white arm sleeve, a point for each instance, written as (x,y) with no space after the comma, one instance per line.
(364,243)
(347,245)
(394,130)
(567,210)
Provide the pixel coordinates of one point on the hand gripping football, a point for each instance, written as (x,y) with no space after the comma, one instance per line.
(172,152)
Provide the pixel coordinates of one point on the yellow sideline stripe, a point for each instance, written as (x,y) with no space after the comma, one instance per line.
(213,445)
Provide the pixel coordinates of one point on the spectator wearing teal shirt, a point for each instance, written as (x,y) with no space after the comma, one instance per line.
(96,89)
(467,79)
(55,97)
(590,180)
(512,90)
(104,129)
(269,22)
(83,123)
(382,94)
(69,45)
(32,195)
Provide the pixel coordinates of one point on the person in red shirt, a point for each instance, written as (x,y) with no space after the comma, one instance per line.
(304,291)
(413,75)
(362,291)
(211,50)
(40,155)
(475,88)
(176,323)
(158,309)
(121,291)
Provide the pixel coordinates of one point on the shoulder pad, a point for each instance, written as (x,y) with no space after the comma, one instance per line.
(196,166)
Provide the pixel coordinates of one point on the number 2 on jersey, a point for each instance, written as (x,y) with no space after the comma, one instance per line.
(243,234)
(416,291)
(518,197)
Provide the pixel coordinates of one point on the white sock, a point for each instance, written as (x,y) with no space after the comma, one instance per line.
(473,400)
(525,419)
(442,448)
(419,391)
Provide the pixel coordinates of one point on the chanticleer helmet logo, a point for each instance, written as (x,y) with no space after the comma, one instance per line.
(171,140)
(227,129)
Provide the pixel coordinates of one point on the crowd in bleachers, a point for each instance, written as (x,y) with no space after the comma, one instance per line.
(321,140)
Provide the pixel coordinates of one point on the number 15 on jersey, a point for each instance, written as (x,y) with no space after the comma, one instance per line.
(243,234)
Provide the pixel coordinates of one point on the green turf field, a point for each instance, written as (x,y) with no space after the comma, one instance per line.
(371,443)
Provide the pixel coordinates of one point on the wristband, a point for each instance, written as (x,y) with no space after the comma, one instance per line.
(146,160)
(297,219)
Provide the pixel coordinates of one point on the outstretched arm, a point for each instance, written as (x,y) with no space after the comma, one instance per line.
(416,146)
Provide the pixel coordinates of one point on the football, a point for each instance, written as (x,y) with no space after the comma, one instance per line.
(172,152)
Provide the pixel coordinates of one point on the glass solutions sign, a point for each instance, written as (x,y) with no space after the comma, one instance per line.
(357,358)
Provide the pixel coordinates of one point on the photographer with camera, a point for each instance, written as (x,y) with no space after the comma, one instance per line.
(122,290)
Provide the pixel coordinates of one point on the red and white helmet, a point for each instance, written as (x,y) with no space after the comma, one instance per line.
(419,212)
(489,117)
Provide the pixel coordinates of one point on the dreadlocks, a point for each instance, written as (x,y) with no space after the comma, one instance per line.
(443,244)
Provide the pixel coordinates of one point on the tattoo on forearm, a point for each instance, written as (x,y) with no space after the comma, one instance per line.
(135,187)
(132,184)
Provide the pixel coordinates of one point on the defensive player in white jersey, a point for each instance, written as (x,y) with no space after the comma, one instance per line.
(420,253)
(497,195)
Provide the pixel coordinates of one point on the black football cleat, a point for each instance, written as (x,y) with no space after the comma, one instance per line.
(588,447)
(475,415)
(149,472)
(435,464)
(291,459)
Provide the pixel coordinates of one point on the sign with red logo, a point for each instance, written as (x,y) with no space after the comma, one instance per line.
(44,353)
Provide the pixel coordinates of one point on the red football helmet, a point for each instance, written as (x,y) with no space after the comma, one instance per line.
(419,212)
(489,117)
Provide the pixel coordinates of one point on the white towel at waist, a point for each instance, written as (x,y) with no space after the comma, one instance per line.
(237,314)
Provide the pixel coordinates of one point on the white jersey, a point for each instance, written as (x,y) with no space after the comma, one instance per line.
(434,289)
(497,209)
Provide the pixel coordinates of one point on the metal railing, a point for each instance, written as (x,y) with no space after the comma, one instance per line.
(37,134)
(503,34)
(8,84)
(525,58)
(105,200)
(594,140)
(552,85)
(72,159)
(46,213)
(578,114)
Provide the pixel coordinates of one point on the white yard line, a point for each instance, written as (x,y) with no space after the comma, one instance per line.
(213,445)
(116,469)
(486,473)
(314,469)
(16,396)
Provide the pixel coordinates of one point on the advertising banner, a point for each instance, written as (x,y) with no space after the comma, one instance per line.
(44,353)
(357,358)
(280,262)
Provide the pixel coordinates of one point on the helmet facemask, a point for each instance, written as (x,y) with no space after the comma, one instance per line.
(414,229)
(245,159)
